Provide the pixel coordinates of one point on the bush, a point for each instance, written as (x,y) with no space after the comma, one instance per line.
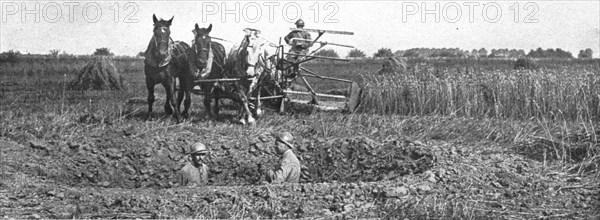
(103,52)
(383,52)
(10,57)
(525,63)
(327,53)
(356,53)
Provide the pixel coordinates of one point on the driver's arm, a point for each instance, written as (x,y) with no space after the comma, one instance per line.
(306,36)
(288,37)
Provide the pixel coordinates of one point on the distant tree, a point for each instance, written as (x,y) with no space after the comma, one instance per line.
(474,53)
(54,54)
(356,53)
(103,52)
(399,53)
(141,54)
(549,53)
(538,53)
(383,52)
(411,53)
(587,53)
(482,52)
(11,56)
(327,53)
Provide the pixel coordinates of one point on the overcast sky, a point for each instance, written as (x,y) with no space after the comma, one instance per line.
(126,26)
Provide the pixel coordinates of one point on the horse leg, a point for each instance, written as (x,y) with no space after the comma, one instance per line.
(170,105)
(180,93)
(216,97)
(185,90)
(151,98)
(251,119)
(245,110)
(207,99)
(187,103)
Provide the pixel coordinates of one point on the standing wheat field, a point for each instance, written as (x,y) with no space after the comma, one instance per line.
(568,93)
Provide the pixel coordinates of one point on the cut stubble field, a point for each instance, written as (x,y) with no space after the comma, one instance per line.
(451,139)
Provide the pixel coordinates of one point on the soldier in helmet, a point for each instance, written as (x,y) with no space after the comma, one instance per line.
(289,165)
(194,173)
(298,46)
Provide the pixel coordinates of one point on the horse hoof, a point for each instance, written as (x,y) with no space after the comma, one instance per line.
(251,121)
(259,112)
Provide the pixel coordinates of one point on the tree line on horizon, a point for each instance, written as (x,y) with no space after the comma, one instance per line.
(13,56)
(458,53)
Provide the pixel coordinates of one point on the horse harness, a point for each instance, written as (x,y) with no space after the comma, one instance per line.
(174,50)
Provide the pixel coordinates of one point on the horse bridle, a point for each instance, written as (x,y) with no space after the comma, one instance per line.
(201,49)
(197,53)
(156,42)
(155,52)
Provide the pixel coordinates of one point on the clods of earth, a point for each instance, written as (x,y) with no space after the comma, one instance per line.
(129,174)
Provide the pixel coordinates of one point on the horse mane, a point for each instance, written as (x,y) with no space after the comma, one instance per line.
(218,63)
(235,63)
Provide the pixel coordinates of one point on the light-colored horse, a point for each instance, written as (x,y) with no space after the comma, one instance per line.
(248,60)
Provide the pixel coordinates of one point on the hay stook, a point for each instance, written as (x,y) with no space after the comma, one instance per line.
(99,74)
(394,65)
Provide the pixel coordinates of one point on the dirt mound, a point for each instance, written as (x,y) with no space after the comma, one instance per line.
(362,159)
(114,159)
(99,74)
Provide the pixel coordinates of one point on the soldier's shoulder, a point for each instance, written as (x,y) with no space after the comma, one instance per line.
(187,168)
(290,161)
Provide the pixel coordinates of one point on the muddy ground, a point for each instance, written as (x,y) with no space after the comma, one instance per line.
(127,173)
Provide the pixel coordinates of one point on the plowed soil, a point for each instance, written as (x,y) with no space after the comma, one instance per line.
(127,174)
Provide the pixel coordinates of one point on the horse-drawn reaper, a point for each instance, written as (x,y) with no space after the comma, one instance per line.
(249,75)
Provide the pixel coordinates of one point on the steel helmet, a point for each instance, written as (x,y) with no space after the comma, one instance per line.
(300,23)
(285,137)
(198,148)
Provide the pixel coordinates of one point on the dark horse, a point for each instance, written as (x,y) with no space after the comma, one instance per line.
(207,61)
(232,67)
(165,61)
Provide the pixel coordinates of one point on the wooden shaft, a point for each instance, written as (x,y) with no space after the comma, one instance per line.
(308,86)
(221,39)
(266,97)
(320,57)
(317,94)
(312,74)
(215,80)
(314,51)
(324,31)
(323,42)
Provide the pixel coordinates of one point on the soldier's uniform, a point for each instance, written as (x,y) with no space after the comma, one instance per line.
(195,172)
(190,175)
(289,169)
(298,47)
